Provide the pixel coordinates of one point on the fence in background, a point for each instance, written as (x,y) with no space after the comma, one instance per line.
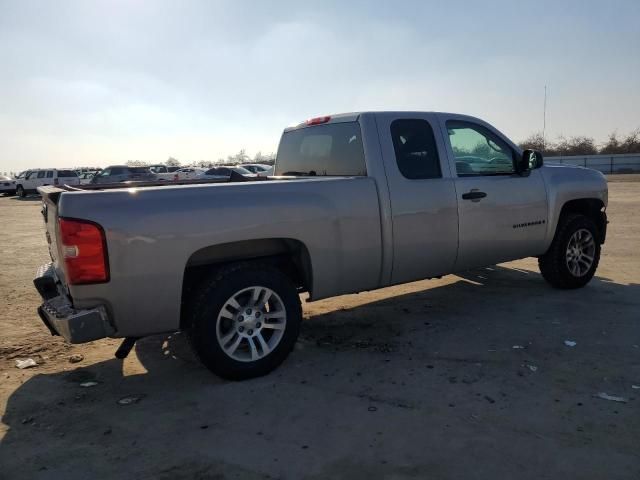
(625,163)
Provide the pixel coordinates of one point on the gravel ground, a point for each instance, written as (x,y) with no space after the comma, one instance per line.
(415,381)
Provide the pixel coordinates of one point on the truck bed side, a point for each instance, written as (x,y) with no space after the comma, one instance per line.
(154,233)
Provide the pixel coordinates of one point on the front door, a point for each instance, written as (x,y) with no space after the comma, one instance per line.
(422,195)
(502,215)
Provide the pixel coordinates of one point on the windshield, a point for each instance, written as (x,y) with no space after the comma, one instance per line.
(242,170)
(331,149)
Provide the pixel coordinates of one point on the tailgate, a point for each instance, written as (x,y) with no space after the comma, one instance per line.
(50,199)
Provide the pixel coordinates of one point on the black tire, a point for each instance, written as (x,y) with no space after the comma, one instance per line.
(209,299)
(553,264)
(20,191)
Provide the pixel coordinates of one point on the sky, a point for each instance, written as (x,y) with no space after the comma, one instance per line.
(98,83)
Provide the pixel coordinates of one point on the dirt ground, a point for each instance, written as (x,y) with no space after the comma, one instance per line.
(415,381)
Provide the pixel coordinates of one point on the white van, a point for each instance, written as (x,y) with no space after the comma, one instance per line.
(41,177)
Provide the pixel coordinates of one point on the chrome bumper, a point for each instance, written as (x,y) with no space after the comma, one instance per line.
(58,314)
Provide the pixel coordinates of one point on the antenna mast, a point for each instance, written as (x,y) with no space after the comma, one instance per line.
(544,119)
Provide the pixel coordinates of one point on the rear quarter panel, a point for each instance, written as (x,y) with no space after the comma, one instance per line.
(152,233)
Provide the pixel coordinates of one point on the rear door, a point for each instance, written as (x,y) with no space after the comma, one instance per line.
(502,215)
(422,194)
(49,179)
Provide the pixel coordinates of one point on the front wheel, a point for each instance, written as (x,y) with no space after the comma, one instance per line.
(20,191)
(244,320)
(573,257)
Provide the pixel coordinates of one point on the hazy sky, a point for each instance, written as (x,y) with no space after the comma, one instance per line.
(94,83)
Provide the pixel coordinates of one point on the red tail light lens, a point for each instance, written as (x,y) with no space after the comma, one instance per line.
(84,251)
(318,120)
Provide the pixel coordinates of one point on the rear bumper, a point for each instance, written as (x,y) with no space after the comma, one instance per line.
(59,316)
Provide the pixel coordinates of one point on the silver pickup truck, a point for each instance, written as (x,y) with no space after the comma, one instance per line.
(357,202)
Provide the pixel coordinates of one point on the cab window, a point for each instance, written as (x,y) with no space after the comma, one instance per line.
(415,149)
(478,151)
(333,149)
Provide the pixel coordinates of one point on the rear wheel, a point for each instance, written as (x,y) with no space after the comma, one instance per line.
(573,257)
(244,320)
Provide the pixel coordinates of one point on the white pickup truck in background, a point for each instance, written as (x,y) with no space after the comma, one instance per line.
(41,177)
(359,201)
(163,172)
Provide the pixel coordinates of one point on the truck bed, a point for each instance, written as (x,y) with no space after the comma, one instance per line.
(156,230)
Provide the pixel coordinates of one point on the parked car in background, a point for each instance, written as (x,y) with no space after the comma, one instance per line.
(86,177)
(224,171)
(45,176)
(123,173)
(163,172)
(7,185)
(256,168)
(188,173)
(266,173)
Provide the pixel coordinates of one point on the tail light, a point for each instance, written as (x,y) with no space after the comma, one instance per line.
(318,120)
(84,250)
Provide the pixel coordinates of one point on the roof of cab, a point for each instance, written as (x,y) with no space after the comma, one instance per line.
(354,116)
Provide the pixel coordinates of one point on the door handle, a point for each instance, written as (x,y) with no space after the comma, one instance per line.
(474,195)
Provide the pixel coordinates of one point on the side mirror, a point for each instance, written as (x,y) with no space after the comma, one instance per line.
(530,159)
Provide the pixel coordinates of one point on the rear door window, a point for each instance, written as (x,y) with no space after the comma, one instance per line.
(117,171)
(50,174)
(333,149)
(68,174)
(415,148)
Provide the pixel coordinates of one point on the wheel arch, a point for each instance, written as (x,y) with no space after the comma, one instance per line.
(291,256)
(590,207)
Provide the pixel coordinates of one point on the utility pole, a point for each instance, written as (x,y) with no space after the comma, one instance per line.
(544,119)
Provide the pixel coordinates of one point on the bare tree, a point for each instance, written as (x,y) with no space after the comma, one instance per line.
(582,145)
(172,162)
(631,144)
(240,157)
(576,146)
(136,163)
(533,142)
